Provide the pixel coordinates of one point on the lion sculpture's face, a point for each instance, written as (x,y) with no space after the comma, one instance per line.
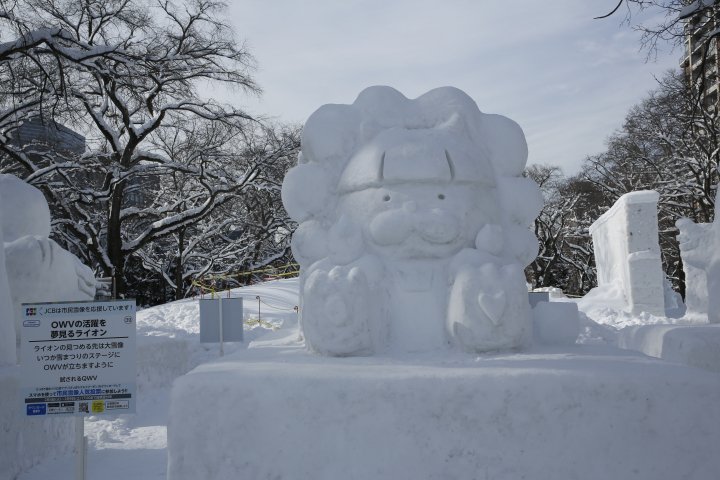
(419,221)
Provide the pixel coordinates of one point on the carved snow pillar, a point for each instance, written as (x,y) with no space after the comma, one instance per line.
(627,252)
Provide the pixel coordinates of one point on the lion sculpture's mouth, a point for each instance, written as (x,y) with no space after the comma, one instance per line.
(397,226)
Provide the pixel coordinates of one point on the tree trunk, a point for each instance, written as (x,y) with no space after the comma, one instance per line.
(114,238)
(179,284)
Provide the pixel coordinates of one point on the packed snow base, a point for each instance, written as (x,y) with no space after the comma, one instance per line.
(413,227)
(583,412)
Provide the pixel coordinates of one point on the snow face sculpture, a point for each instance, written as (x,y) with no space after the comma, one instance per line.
(38,269)
(413,220)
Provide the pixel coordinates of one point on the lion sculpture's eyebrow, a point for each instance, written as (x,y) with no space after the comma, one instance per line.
(381,174)
(451,165)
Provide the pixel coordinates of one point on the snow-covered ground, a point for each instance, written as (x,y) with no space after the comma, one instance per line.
(135,446)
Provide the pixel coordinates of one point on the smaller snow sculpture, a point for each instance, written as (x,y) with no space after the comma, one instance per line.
(38,269)
(627,252)
(700,252)
(413,225)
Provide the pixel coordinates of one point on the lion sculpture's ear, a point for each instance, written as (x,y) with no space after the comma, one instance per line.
(305,191)
(506,143)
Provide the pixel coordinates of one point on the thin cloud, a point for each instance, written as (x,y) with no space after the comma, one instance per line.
(552,68)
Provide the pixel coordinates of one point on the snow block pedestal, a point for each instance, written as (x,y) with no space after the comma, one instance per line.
(581,413)
(556,323)
(695,345)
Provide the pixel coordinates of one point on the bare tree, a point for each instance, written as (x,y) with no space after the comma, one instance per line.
(668,21)
(565,255)
(244,233)
(670,144)
(693,25)
(126,75)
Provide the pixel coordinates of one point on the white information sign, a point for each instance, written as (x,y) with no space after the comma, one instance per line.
(78,358)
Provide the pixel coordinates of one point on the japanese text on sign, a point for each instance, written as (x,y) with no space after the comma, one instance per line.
(78,358)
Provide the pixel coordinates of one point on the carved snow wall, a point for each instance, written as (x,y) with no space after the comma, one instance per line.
(627,252)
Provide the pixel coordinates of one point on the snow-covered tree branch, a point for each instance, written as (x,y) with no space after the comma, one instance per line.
(160,158)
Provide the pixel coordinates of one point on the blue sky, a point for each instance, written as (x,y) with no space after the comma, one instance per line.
(567,79)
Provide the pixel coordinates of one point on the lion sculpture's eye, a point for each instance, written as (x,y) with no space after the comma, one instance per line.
(441,196)
(386,198)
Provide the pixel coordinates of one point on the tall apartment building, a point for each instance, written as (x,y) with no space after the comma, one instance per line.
(700,62)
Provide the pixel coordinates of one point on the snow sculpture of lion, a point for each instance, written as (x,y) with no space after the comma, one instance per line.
(413,219)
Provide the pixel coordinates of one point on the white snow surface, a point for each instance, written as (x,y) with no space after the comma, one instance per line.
(588,411)
(413,228)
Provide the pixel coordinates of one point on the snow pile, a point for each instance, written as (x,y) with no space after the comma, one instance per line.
(627,253)
(275,410)
(38,269)
(413,225)
(606,306)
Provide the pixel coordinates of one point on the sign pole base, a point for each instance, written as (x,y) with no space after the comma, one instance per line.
(80,448)
(220,320)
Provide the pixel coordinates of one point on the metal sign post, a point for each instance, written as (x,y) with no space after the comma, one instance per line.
(220,326)
(80,449)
